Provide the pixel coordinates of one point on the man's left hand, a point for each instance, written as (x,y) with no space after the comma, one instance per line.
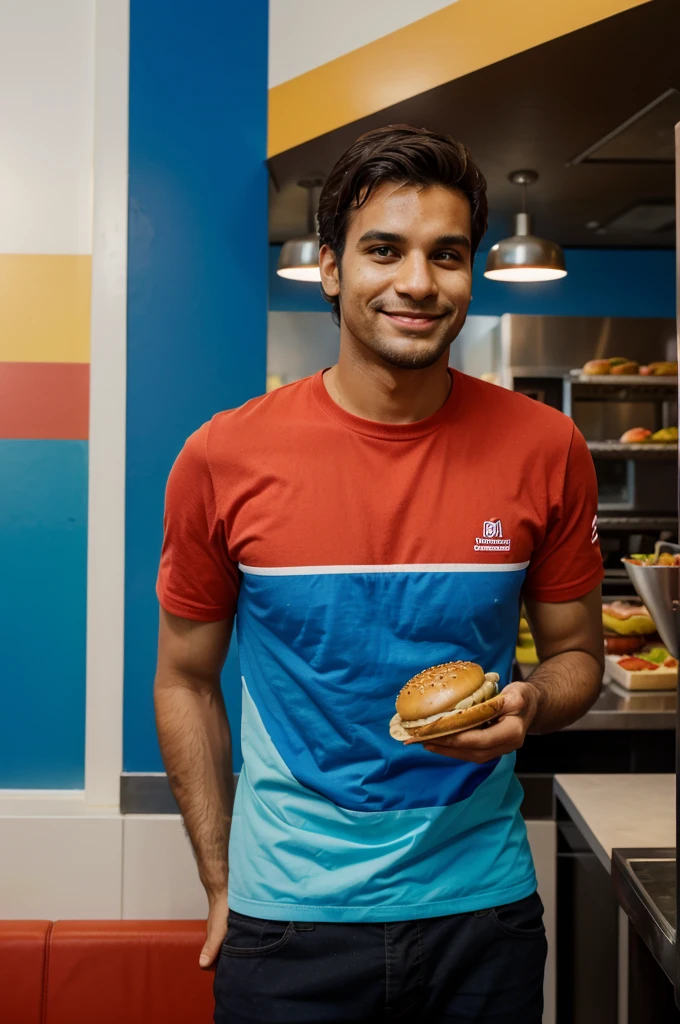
(502,736)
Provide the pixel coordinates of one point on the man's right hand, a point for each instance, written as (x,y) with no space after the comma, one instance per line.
(218,913)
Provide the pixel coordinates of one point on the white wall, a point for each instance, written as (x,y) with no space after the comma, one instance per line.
(306,33)
(46,126)
(300,344)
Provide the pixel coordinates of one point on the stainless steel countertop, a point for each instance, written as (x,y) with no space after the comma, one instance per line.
(617,708)
(645,885)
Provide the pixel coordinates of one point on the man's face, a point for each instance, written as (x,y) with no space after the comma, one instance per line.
(405,277)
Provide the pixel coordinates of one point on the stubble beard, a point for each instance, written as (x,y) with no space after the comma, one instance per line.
(418,359)
(422,354)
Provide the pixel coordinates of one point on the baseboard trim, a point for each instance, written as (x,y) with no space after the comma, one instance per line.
(147,793)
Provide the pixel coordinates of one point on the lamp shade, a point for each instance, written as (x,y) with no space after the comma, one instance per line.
(299,259)
(525,257)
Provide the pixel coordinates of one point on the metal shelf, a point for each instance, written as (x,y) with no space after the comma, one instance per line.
(612,380)
(651,523)
(617,449)
(578,387)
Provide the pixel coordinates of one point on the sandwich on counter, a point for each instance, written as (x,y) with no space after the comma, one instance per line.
(628,626)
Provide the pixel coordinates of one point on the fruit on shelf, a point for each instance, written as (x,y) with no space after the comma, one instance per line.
(636,435)
(662,369)
(667,435)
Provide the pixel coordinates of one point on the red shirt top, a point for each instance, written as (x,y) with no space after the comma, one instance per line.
(292,479)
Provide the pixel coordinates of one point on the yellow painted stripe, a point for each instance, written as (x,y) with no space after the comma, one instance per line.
(45,308)
(448,44)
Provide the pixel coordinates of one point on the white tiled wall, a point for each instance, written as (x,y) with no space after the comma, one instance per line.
(55,868)
(159,872)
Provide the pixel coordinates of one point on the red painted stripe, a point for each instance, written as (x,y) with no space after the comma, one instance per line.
(44,400)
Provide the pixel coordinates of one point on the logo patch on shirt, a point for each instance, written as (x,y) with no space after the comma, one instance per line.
(492,538)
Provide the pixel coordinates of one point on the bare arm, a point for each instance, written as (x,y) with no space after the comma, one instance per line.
(195,741)
(570,645)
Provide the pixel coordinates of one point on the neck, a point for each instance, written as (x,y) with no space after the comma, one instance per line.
(366,386)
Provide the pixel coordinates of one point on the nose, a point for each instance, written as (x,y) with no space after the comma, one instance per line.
(415,277)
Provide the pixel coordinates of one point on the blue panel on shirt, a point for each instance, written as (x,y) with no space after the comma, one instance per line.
(325,655)
(296,856)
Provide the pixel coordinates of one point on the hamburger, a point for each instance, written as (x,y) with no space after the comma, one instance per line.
(627,627)
(624,368)
(446,699)
(615,365)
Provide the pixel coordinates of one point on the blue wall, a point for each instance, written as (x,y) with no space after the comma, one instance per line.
(197,280)
(43,560)
(600,282)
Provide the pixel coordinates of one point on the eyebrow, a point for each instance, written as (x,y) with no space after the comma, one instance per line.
(389,236)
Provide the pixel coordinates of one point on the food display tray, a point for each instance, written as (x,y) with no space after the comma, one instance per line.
(613,379)
(655,679)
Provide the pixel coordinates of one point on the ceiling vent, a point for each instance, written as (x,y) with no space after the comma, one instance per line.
(645,138)
(642,218)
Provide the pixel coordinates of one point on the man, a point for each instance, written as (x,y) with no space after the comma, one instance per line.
(365,523)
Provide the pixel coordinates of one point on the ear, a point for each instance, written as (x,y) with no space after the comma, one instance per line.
(330,271)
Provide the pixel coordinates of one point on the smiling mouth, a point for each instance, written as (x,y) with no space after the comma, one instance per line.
(413,321)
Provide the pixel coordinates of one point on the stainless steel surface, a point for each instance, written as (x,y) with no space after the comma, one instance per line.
(619,709)
(657,586)
(605,407)
(615,450)
(645,886)
(645,523)
(564,343)
(623,380)
(624,710)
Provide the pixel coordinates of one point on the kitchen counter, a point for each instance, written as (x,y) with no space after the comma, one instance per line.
(618,708)
(627,811)
(628,822)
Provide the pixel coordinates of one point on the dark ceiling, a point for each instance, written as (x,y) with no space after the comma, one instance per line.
(542,109)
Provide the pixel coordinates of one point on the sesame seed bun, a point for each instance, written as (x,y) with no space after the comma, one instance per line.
(428,705)
(438,689)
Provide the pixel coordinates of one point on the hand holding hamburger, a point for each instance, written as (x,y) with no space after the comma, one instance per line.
(443,707)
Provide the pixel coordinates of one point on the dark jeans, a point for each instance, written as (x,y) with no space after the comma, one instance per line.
(482,967)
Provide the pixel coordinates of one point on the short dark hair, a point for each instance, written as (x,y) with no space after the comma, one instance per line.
(403,154)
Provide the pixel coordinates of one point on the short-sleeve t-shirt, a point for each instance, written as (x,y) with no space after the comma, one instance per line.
(355,554)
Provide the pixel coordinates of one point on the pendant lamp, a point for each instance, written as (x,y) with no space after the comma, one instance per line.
(523,256)
(299,257)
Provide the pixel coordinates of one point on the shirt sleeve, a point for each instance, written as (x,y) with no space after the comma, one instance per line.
(567,564)
(196,579)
